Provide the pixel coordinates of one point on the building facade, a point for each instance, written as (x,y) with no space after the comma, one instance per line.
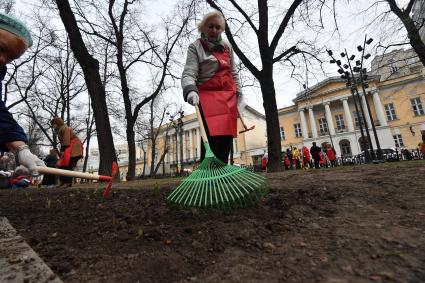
(326,113)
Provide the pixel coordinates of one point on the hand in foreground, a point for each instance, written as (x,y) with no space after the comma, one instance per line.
(29,160)
(193,98)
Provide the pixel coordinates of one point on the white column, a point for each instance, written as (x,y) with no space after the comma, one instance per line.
(190,144)
(303,124)
(167,155)
(347,114)
(198,143)
(368,121)
(312,122)
(234,146)
(329,119)
(379,109)
(171,146)
(184,145)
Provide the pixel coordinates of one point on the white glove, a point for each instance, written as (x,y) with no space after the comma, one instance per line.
(193,98)
(29,160)
(241,103)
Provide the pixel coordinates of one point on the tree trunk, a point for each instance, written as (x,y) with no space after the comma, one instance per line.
(131,152)
(412,30)
(161,160)
(274,146)
(414,37)
(90,67)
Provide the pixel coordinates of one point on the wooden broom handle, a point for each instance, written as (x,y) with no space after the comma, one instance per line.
(201,124)
(68,173)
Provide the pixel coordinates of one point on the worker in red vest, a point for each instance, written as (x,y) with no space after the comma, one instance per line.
(210,79)
(330,152)
(306,157)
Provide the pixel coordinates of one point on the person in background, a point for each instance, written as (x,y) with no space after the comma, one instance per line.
(306,157)
(289,156)
(330,152)
(315,153)
(296,158)
(71,149)
(51,160)
(264,160)
(422,145)
(286,161)
(210,79)
(15,39)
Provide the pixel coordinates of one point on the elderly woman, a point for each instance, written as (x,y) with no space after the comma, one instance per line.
(71,149)
(209,78)
(14,41)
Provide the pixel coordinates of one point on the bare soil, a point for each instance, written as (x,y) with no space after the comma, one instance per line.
(348,224)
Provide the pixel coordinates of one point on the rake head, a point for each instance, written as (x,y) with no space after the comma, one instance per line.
(214,184)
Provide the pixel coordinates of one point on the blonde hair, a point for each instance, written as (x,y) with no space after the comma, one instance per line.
(214,14)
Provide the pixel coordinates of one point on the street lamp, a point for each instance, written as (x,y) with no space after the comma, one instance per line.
(178,127)
(362,78)
(351,83)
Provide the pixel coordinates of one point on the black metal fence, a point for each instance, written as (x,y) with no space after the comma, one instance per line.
(397,155)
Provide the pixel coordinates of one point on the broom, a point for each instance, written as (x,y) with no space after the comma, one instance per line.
(215,184)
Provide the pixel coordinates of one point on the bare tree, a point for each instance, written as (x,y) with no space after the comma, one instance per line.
(134,44)
(404,13)
(7,6)
(273,49)
(90,67)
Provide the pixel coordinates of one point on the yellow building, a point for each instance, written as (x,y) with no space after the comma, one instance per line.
(324,113)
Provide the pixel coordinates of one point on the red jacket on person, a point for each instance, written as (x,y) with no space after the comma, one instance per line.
(330,152)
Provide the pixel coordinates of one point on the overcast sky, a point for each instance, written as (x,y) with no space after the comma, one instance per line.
(350,35)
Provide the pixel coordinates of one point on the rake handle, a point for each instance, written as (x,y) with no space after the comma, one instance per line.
(243,123)
(201,124)
(68,173)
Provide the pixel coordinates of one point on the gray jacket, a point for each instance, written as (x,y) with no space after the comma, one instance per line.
(201,65)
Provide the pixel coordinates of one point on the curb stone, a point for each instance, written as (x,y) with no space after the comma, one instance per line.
(18,261)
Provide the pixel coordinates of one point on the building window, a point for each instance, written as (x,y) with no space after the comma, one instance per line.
(340,124)
(297,129)
(323,126)
(345,148)
(356,119)
(282,134)
(392,66)
(389,109)
(418,109)
(398,140)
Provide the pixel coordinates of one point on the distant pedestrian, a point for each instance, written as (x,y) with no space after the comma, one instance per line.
(289,155)
(422,145)
(264,161)
(286,162)
(331,153)
(296,157)
(306,157)
(315,153)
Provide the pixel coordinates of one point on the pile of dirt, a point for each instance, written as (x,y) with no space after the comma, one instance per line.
(346,224)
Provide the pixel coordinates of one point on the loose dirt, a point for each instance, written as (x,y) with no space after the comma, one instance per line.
(346,224)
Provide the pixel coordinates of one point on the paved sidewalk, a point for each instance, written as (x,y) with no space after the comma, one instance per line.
(18,261)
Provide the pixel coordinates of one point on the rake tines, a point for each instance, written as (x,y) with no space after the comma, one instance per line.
(218,185)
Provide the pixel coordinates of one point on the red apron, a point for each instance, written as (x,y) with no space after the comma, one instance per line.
(218,98)
(66,155)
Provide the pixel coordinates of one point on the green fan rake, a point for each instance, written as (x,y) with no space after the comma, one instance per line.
(215,184)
